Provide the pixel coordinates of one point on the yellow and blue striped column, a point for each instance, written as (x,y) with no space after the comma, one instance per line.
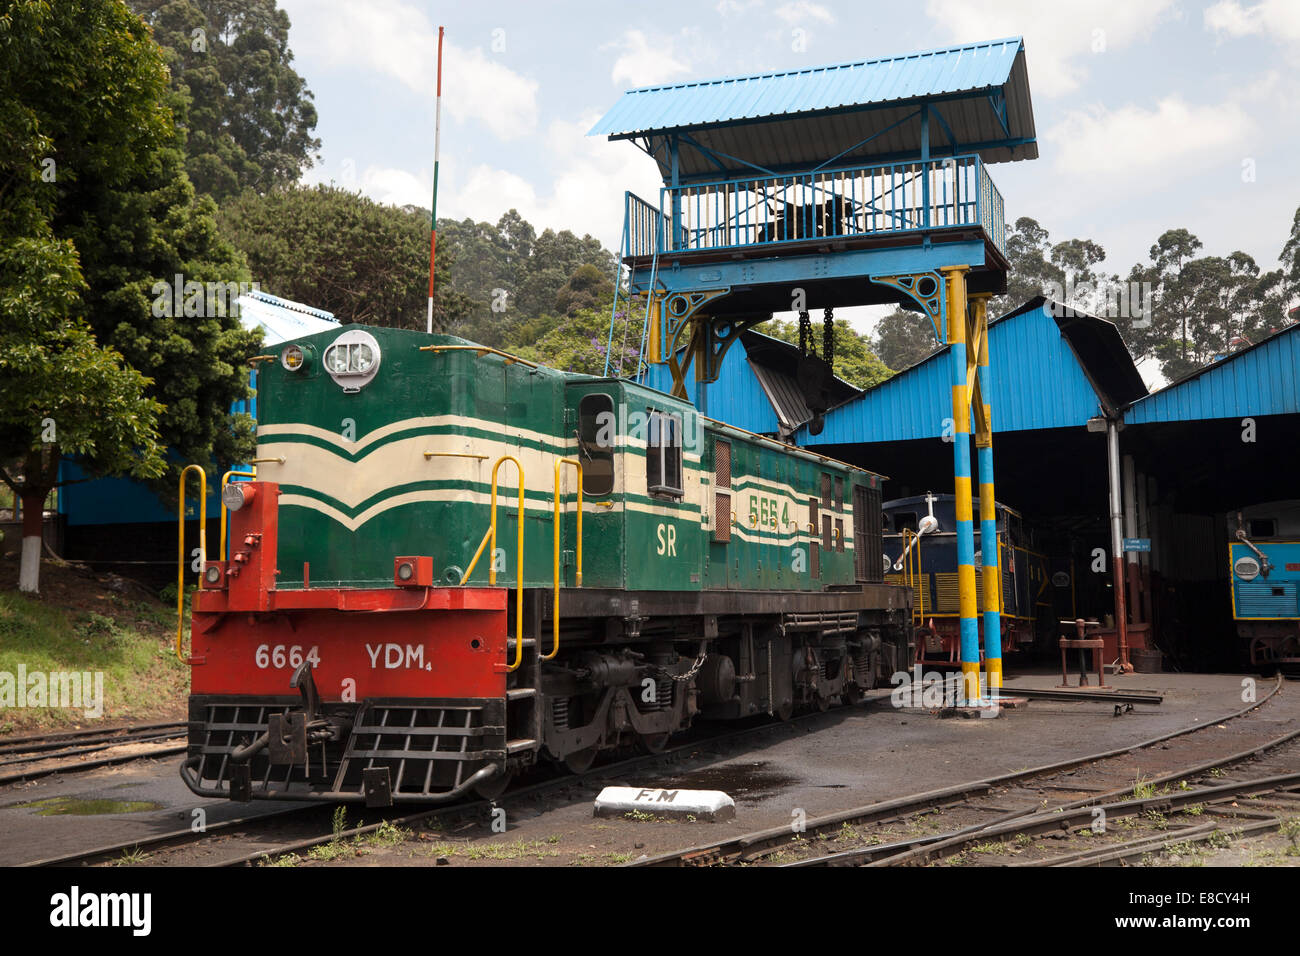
(988,507)
(970,637)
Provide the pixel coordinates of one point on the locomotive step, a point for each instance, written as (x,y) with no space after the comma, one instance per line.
(521,693)
(519,745)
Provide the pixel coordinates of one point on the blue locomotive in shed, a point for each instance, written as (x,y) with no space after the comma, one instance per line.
(1264,565)
(920,551)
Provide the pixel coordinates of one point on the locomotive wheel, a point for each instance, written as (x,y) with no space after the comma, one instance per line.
(852,694)
(784,711)
(494,787)
(654,743)
(580,761)
(824,703)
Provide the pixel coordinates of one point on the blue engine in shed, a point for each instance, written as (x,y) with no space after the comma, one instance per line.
(1264,564)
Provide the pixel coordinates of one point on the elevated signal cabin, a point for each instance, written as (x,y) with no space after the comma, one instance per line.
(859,183)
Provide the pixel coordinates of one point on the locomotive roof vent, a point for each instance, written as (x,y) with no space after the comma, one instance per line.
(353,359)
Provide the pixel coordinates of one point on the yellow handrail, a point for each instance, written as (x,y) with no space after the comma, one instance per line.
(225,480)
(555,548)
(180,545)
(491,536)
(481,350)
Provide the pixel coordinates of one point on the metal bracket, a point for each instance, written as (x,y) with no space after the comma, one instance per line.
(376,786)
(241,782)
(287,744)
(926,290)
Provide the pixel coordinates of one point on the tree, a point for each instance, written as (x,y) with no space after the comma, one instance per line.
(1064,272)
(345,253)
(577,344)
(247,113)
(510,277)
(854,360)
(1290,259)
(112,181)
(902,338)
(60,393)
(587,288)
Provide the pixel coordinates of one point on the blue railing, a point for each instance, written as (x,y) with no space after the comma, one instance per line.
(643,227)
(846,203)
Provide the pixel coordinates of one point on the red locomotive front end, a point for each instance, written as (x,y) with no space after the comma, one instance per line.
(376,694)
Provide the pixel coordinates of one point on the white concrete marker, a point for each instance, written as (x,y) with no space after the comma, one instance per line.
(710,805)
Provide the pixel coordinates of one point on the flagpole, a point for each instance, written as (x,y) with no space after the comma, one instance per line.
(433,213)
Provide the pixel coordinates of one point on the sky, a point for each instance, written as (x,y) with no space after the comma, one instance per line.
(1150,114)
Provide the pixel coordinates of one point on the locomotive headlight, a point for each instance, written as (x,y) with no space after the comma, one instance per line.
(293,359)
(1246,568)
(236,494)
(353,359)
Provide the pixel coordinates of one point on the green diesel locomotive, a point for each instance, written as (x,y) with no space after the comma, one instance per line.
(453,564)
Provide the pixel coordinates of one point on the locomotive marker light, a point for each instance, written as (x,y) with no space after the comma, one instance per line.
(293,359)
(353,360)
(214,574)
(413,572)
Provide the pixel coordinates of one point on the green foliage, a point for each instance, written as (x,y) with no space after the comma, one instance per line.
(576,344)
(115,187)
(247,114)
(1038,268)
(1202,306)
(340,251)
(511,278)
(902,338)
(855,362)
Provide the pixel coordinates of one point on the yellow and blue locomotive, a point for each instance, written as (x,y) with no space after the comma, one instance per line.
(453,564)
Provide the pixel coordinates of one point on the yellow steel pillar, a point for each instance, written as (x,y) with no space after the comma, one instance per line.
(962,374)
(977,340)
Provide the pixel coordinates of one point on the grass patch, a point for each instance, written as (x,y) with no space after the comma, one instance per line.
(79,624)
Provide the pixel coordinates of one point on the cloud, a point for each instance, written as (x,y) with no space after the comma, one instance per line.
(1060,38)
(643,62)
(585,191)
(395,39)
(1279,19)
(1171,139)
(801,11)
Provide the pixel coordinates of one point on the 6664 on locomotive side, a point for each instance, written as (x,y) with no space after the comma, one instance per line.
(454,564)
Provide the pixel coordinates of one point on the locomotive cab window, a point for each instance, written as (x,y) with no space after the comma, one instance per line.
(596,443)
(1262,527)
(663,454)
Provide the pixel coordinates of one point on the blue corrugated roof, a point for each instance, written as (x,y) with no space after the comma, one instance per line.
(1044,372)
(858,112)
(955,69)
(1261,380)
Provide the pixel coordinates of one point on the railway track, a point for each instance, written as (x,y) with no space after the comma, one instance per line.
(32,757)
(246,844)
(924,827)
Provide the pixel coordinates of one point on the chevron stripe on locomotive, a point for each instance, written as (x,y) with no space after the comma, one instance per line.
(386,630)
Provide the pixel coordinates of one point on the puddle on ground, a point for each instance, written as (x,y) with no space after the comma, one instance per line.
(746,783)
(72,806)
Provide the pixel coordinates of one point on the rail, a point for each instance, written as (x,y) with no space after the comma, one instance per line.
(225,480)
(846,203)
(555,551)
(491,537)
(180,546)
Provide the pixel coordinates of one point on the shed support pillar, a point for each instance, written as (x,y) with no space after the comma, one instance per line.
(962,375)
(977,342)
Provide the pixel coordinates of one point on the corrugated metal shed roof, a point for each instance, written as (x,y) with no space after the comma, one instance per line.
(1263,379)
(1045,370)
(282,319)
(800,117)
